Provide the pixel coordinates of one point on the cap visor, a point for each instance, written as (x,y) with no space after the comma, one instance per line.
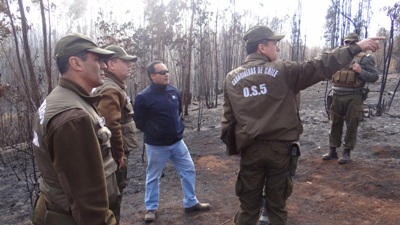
(129,58)
(277,37)
(104,54)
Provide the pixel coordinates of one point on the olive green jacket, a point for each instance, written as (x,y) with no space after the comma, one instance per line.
(72,150)
(260,96)
(115,106)
(369,74)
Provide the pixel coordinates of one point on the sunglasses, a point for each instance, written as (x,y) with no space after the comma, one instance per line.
(162,72)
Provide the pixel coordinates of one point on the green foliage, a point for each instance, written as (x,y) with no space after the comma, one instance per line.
(331,27)
(393,12)
(340,20)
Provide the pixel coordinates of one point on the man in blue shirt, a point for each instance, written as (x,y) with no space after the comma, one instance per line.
(157,113)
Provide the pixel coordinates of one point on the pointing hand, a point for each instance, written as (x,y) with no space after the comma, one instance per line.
(371,44)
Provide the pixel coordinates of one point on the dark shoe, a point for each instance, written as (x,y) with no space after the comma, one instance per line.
(345,157)
(198,207)
(150,216)
(332,154)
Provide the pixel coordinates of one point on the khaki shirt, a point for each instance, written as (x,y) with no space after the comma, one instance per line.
(260,96)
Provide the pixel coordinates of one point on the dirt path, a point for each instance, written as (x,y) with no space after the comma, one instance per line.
(363,192)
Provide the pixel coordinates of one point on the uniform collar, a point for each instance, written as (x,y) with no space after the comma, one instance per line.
(256,56)
(116,79)
(77,89)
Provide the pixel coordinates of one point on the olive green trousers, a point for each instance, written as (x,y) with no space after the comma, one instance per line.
(266,163)
(345,108)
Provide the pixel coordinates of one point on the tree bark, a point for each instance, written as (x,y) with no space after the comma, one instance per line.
(186,84)
(32,78)
(45,48)
(18,55)
(216,61)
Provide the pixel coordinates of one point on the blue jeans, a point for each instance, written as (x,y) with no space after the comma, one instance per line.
(157,157)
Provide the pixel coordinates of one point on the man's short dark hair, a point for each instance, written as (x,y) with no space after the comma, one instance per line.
(151,69)
(252,48)
(63,63)
(108,60)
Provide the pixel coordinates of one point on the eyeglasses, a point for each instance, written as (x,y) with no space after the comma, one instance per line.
(348,42)
(162,72)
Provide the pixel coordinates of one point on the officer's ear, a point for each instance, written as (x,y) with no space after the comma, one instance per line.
(75,63)
(110,64)
(262,47)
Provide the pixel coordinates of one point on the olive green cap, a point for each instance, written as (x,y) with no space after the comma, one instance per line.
(120,53)
(258,33)
(73,44)
(351,37)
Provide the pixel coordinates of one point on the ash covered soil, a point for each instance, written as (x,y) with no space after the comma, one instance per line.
(365,191)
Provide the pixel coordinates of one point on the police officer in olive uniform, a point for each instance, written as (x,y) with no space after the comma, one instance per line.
(116,107)
(348,87)
(260,107)
(71,144)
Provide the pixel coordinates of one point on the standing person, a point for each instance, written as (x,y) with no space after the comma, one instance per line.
(264,214)
(115,106)
(260,115)
(158,111)
(348,86)
(71,144)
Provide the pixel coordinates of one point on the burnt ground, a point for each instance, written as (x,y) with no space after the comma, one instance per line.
(365,191)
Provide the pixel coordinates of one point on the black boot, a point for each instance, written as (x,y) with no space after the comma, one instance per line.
(331,154)
(345,157)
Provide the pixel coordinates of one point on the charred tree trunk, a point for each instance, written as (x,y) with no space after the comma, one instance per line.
(387,57)
(186,84)
(34,92)
(18,55)
(216,61)
(45,48)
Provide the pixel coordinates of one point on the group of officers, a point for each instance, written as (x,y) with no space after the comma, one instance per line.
(85,128)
